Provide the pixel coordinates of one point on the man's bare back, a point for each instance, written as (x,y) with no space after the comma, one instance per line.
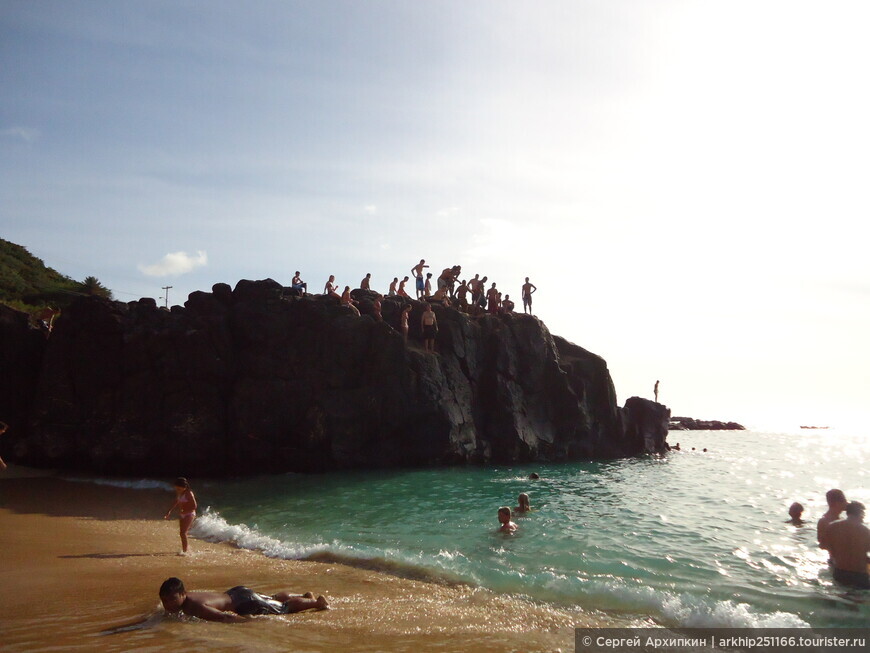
(849,542)
(235,604)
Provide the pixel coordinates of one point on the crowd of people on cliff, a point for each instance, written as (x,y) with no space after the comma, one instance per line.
(469,296)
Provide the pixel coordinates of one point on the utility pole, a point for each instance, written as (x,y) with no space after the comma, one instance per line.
(165,295)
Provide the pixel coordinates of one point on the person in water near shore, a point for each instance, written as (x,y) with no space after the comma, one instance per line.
(848,541)
(836,505)
(185,501)
(429,324)
(417,271)
(795,511)
(504,518)
(524,505)
(235,604)
(3,428)
(534,476)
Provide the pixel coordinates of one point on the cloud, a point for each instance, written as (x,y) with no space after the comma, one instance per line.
(371,209)
(27,134)
(175,263)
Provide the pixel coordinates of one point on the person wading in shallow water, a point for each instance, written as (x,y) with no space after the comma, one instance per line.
(849,543)
(185,501)
(235,604)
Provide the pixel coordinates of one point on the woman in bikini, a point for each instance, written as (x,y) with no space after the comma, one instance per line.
(185,501)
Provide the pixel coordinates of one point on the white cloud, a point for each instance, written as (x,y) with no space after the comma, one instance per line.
(175,263)
(371,209)
(27,134)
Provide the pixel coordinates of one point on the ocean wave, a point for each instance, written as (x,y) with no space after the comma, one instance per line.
(140,484)
(691,611)
(212,527)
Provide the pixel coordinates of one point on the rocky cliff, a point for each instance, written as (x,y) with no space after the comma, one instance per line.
(257,379)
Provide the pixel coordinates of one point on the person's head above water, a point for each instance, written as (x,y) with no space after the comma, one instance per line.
(172,594)
(504,514)
(533,476)
(795,510)
(523,502)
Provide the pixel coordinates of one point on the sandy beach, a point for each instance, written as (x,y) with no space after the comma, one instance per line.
(82,563)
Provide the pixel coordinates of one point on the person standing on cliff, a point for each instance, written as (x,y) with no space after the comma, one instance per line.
(3,428)
(403,321)
(429,324)
(417,271)
(656,391)
(493,297)
(528,289)
(392,292)
(366,283)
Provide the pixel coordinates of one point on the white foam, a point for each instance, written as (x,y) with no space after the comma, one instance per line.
(214,528)
(698,612)
(141,484)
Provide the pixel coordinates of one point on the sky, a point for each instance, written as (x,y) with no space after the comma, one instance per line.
(685,182)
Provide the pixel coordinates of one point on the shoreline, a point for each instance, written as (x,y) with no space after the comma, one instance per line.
(100,553)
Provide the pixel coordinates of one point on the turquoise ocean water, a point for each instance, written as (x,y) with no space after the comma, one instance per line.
(691,538)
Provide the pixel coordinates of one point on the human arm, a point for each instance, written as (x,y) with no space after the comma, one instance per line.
(209,613)
(174,506)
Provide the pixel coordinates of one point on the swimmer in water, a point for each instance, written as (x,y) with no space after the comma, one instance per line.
(185,501)
(795,511)
(504,518)
(533,476)
(524,505)
(235,604)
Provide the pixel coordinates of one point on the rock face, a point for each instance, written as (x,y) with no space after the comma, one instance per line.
(256,379)
(689,424)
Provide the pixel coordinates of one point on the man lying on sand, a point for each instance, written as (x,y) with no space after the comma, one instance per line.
(235,604)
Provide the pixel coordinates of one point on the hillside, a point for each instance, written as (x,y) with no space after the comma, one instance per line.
(28,285)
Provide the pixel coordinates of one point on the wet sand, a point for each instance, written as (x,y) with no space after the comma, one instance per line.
(81,565)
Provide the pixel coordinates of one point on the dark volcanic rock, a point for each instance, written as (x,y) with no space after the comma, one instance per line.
(258,379)
(689,424)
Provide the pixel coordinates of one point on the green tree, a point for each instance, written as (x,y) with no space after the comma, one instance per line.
(92,286)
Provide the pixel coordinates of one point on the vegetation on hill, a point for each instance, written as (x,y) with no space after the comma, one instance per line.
(28,285)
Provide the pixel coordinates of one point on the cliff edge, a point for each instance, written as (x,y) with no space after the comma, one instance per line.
(259,380)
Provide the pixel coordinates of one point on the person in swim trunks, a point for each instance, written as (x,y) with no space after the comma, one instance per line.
(429,326)
(417,271)
(235,604)
(848,542)
(185,501)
